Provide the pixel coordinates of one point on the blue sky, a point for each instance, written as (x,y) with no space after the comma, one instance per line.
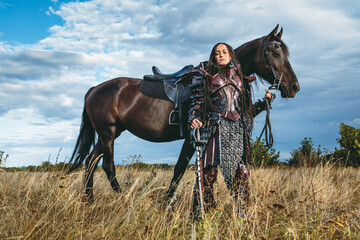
(27,21)
(53,51)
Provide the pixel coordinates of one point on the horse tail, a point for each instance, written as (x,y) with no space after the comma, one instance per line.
(85,140)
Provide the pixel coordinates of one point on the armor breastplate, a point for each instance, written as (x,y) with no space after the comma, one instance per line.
(225,93)
(218,81)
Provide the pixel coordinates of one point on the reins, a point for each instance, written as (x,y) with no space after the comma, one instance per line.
(269,139)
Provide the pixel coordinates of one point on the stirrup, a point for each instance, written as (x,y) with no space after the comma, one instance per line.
(174,117)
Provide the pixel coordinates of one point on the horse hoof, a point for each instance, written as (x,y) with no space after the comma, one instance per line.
(85,198)
(116,188)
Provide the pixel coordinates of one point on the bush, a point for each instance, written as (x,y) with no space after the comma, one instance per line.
(349,152)
(306,155)
(347,155)
(261,156)
(136,162)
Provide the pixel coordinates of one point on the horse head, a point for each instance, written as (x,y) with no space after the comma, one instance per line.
(268,58)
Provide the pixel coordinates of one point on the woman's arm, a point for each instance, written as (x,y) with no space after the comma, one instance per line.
(197,101)
(260,106)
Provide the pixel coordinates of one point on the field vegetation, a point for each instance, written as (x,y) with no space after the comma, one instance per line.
(314,195)
(320,202)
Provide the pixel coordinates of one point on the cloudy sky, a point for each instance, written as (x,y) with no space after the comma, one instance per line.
(53,51)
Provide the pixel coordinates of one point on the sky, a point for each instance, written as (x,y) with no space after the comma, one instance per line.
(53,51)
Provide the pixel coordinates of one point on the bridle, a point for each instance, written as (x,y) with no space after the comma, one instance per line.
(277,80)
(269,139)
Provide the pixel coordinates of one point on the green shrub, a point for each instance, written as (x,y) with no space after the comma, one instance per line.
(261,156)
(349,153)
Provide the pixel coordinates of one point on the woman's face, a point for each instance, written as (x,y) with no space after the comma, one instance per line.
(222,55)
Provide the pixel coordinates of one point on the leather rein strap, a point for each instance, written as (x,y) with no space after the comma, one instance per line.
(269,139)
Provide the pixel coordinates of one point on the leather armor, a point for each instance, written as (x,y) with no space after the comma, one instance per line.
(225,89)
(229,145)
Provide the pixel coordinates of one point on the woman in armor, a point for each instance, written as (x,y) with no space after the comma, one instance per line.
(221,105)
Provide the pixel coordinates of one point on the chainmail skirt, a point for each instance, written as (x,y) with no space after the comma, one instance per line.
(232,149)
(226,146)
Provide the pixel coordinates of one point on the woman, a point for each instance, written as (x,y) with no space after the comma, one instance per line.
(221,104)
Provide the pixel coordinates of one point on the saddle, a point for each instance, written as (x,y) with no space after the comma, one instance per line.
(169,82)
(168,87)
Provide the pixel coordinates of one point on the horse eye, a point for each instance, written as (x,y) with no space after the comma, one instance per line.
(276,54)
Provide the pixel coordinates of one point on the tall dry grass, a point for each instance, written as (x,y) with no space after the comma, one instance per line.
(304,203)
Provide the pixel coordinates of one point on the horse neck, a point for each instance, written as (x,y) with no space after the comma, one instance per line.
(247,55)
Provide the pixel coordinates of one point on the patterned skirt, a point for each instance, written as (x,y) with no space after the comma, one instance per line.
(227,148)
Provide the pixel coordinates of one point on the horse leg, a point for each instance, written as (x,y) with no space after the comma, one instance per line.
(91,163)
(186,153)
(108,163)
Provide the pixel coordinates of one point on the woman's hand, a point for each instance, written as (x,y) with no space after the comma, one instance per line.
(196,123)
(267,94)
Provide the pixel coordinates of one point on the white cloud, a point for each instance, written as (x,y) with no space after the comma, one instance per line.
(355,122)
(5,5)
(168,160)
(29,138)
(103,39)
(66,101)
(100,26)
(27,125)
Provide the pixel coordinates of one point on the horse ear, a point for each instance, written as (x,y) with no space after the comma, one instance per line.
(272,34)
(280,33)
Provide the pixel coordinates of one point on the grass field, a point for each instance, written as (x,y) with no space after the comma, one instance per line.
(302,203)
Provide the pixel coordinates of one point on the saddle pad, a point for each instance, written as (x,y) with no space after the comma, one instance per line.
(153,89)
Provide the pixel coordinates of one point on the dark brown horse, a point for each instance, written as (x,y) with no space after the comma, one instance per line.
(118,105)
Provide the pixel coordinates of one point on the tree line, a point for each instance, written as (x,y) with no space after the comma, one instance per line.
(307,155)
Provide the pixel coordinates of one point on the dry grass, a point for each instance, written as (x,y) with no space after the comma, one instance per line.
(304,203)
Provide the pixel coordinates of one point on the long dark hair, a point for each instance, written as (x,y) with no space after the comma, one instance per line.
(213,68)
